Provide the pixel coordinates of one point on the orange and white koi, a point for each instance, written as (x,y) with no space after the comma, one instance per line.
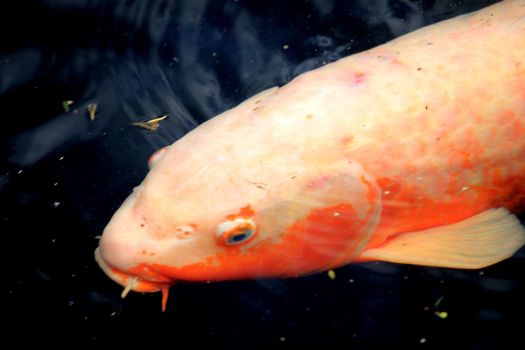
(411,152)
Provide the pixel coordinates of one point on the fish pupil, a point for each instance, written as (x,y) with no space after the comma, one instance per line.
(240,236)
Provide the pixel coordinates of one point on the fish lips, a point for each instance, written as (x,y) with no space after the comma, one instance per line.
(131,281)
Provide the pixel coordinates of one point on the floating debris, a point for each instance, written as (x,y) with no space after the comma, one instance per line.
(331,274)
(92,110)
(440,299)
(441,314)
(152,124)
(66,104)
(437,312)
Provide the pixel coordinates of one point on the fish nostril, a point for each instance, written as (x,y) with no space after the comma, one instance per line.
(184,231)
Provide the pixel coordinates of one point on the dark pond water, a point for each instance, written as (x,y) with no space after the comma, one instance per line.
(63,175)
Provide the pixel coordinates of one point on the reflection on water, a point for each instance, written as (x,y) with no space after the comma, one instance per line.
(192,60)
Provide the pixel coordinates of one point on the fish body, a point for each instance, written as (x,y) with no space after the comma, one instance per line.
(410,152)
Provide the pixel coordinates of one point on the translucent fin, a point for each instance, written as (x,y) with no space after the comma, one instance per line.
(476,242)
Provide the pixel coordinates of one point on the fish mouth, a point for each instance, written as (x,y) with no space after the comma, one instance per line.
(129,281)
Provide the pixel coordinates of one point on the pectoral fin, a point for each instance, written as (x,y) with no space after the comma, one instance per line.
(476,242)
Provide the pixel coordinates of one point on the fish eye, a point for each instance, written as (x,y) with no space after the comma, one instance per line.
(240,236)
(233,232)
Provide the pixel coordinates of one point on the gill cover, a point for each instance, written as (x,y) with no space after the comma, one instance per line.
(323,219)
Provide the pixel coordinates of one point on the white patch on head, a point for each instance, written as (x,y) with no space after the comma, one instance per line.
(231,224)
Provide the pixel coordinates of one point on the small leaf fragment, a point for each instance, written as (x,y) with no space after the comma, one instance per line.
(66,104)
(437,312)
(441,314)
(92,110)
(152,124)
(440,299)
(331,274)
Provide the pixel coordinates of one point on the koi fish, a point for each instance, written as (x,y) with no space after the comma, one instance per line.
(411,152)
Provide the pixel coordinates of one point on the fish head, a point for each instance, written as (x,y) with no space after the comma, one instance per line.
(232,200)
(283,220)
